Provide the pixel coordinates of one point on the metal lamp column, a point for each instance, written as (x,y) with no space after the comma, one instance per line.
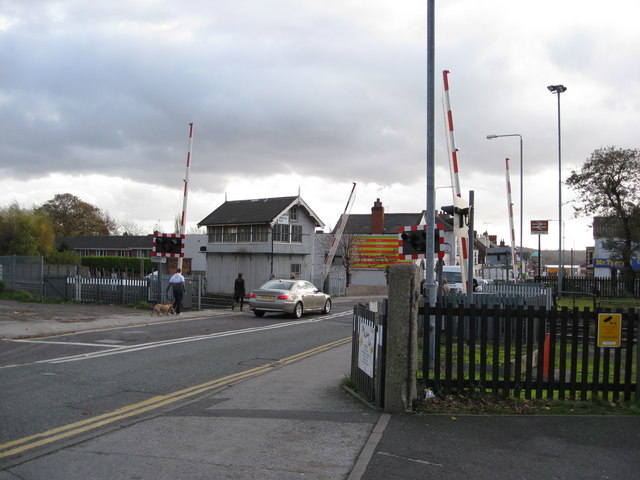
(558,89)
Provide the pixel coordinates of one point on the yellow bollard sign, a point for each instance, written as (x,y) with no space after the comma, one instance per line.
(609,329)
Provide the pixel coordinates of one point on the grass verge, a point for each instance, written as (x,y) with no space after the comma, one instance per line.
(491,405)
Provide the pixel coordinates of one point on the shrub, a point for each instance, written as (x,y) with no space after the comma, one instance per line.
(19,295)
(118,264)
(66,257)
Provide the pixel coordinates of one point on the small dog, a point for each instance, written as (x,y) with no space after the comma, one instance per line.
(162,308)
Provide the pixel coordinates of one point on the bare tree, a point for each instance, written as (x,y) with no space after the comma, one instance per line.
(129,227)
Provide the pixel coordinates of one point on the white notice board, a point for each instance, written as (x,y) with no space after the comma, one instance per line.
(367,346)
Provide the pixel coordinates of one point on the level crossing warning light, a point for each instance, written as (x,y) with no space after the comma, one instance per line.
(459,210)
(412,241)
(167,245)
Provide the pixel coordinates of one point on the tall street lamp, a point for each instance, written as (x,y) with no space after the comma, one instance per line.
(491,137)
(558,89)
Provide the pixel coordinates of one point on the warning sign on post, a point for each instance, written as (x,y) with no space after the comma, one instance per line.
(609,329)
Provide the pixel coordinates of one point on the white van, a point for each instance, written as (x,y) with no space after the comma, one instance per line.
(453,275)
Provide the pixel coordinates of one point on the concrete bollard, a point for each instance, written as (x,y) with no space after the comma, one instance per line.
(402,338)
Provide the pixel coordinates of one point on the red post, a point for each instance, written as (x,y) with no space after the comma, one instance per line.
(545,364)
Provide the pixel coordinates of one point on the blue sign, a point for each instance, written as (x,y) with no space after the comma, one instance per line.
(609,263)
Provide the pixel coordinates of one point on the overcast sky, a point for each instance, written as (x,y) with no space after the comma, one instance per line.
(309,95)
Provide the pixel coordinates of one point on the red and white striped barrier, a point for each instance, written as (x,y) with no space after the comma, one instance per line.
(455,175)
(183,217)
(513,233)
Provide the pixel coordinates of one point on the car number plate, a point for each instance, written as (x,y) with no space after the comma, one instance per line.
(266,297)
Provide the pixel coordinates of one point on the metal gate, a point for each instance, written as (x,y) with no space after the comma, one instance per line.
(368,351)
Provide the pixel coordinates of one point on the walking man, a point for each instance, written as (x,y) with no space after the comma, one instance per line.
(176,283)
(238,292)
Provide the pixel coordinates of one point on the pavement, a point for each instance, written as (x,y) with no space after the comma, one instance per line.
(296,422)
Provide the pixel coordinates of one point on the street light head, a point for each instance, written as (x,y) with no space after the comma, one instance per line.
(492,136)
(557,88)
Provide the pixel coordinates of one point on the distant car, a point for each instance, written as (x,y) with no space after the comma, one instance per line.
(453,275)
(482,285)
(293,297)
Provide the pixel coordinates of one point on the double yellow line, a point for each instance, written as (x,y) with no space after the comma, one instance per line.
(16,447)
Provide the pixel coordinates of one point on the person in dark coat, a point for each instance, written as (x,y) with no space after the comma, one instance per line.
(238,292)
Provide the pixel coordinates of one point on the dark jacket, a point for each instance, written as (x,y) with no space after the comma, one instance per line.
(238,288)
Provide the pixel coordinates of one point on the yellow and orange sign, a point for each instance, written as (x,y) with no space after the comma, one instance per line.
(375,251)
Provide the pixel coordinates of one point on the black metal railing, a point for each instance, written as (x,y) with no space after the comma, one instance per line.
(368,352)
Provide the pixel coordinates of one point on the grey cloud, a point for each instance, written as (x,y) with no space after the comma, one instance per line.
(271,87)
(262,94)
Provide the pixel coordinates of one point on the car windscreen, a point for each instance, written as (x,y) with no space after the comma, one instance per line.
(278,285)
(452,277)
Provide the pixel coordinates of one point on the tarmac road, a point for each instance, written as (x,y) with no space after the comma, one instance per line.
(293,421)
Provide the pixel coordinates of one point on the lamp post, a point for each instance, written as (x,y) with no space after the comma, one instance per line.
(558,89)
(491,137)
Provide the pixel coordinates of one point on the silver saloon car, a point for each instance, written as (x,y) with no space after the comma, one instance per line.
(294,297)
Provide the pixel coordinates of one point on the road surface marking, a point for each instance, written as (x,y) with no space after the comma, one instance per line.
(22,445)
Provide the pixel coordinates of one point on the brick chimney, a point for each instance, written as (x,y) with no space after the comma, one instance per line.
(377,217)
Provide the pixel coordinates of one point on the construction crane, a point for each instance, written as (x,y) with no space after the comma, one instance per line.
(338,235)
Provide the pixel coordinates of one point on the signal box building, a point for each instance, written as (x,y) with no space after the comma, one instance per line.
(259,238)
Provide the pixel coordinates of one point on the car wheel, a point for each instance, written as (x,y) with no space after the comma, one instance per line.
(258,313)
(327,306)
(297,311)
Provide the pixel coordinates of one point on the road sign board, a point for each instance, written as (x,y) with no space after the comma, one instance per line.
(609,329)
(539,227)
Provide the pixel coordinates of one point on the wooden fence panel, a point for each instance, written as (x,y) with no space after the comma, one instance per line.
(528,353)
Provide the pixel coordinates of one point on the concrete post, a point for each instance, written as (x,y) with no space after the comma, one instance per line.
(402,338)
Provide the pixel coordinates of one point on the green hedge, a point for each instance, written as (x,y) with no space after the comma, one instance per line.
(118,264)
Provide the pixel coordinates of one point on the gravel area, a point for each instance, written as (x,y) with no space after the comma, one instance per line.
(11,310)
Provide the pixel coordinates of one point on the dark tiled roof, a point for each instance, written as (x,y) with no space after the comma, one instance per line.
(110,242)
(261,210)
(361,223)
